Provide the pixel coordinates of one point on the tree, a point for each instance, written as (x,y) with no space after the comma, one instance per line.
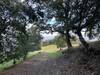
(60,41)
(75,16)
(34,40)
(14,17)
(9,43)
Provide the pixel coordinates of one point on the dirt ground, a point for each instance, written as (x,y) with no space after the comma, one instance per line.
(43,65)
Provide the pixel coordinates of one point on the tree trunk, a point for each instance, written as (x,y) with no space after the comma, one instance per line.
(14,61)
(85,44)
(68,40)
(60,48)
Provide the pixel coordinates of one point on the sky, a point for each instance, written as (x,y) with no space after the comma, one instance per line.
(52,21)
(48,36)
(21,0)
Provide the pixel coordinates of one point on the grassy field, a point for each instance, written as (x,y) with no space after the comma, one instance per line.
(49,48)
(52,51)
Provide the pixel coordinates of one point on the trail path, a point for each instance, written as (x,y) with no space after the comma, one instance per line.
(42,64)
(38,65)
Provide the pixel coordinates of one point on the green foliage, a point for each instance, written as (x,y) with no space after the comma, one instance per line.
(60,41)
(28,43)
(16,45)
(34,39)
(49,42)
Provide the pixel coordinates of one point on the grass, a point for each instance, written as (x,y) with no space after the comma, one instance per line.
(6,65)
(31,54)
(55,54)
(50,49)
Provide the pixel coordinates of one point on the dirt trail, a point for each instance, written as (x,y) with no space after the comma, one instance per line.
(42,64)
(38,65)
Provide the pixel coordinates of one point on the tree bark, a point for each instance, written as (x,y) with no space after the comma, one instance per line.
(14,61)
(85,44)
(68,40)
(60,48)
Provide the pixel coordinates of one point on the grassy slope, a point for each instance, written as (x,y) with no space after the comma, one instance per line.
(51,50)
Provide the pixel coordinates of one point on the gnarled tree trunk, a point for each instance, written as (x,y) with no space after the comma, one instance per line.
(14,61)
(85,44)
(68,40)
